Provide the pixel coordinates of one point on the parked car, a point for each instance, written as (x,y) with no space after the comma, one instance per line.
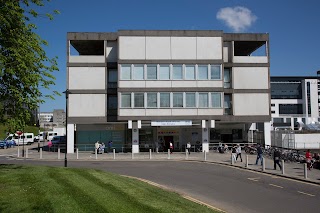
(4,144)
(59,140)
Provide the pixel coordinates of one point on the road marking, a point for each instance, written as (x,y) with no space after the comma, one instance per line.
(254,179)
(276,185)
(306,194)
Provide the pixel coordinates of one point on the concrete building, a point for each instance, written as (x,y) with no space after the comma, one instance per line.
(143,89)
(59,117)
(48,120)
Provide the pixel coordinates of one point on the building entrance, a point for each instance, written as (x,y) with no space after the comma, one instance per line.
(227,139)
(167,140)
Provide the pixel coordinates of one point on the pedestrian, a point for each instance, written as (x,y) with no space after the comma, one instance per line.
(96,145)
(102,147)
(171,147)
(238,151)
(188,147)
(259,155)
(234,152)
(308,159)
(276,159)
(109,146)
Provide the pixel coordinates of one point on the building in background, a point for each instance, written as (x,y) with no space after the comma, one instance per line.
(144,89)
(49,120)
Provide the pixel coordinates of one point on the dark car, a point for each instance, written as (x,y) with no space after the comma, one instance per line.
(58,140)
(4,144)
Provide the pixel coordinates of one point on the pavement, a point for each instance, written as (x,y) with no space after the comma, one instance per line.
(291,170)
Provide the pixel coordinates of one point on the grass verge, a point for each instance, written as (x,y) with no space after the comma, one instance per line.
(52,189)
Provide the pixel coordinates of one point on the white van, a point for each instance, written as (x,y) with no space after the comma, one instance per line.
(48,135)
(25,138)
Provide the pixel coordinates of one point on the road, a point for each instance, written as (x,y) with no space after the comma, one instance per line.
(227,188)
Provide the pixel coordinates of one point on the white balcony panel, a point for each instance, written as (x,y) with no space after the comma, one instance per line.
(87,105)
(184,112)
(87,78)
(87,59)
(132,47)
(250,78)
(158,48)
(158,112)
(184,48)
(210,84)
(132,112)
(209,48)
(176,84)
(159,84)
(251,104)
(210,111)
(132,84)
(225,54)
(250,59)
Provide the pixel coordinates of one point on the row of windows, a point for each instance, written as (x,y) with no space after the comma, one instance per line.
(170,72)
(171,100)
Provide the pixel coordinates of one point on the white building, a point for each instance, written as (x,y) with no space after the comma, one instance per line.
(143,89)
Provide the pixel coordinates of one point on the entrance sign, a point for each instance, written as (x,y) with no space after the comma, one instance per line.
(171,123)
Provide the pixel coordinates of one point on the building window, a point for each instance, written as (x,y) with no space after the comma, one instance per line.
(227,104)
(287,109)
(202,72)
(177,100)
(227,78)
(138,72)
(215,72)
(125,72)
(191,99)
(273,112)
(151,72)
(125,100)
(138,100)
(216,100)
(152,100)
(164,100)
(203,100)
(273,105)
(177,72)
(190,72)
(164,72)
(113,76)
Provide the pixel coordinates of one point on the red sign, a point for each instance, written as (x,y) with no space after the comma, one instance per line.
(19,132)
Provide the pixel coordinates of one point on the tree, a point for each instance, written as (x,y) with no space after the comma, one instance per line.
(24,66)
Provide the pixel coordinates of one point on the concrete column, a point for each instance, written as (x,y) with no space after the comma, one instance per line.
(135,137)
(267,133)
(205,136)
(70,144)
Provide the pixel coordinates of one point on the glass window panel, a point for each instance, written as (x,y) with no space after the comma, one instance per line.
(190,100)
(165,99)
(152,99)
(164,72)
(139,100)
(151,72)
(138,72)
(125,72)
(227,78)
(190,72)
(215,72)
(177,100)
(177,72)
(125,100)
(202,72)
(216,100)
(203,99)
(113,76)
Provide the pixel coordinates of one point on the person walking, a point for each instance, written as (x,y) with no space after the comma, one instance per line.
(109,146)
(171,147)
(238,151)
(97,145)
(259,155)
(308,159)
(188,147)
(276,159)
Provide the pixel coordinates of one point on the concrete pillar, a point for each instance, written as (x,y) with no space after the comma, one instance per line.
(135,137)
(205,136)
(70,144)
(267,133)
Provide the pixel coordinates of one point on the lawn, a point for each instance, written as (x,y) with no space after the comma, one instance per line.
(52,189)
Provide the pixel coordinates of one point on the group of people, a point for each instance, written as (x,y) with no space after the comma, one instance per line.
(100,147)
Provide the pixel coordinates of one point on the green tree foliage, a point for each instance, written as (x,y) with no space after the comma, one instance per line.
(25,68)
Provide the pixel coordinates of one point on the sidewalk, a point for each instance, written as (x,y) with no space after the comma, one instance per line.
(291,170)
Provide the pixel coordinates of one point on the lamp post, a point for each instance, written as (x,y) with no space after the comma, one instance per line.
(66,122)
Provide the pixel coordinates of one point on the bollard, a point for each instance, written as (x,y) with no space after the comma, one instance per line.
(59,153)
(263,164)
(187,156)
(232,162)
(96,154)
(26,152)
(114,154)
(205,156)
(282,166)
(132,155)
(18,155)
(168,153)
(77,151)
(247,161)
(40,153)
(150,154)
(305,171)
(157,150)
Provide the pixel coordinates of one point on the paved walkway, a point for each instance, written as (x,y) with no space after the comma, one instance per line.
(291,170)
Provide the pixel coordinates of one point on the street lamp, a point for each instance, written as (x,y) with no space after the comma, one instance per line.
(65,152)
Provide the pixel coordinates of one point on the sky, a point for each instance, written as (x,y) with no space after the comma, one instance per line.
(293,27)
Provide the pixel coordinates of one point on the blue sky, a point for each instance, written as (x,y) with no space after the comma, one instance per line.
(293,26)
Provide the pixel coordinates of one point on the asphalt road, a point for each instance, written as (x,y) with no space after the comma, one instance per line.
(227,188)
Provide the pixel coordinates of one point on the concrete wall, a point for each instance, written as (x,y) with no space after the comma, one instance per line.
(250,59)
(169,84)
(250,78)
(86,59)
(169,48)
(87,78)
(87,105)
(251,104)
(169,112)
